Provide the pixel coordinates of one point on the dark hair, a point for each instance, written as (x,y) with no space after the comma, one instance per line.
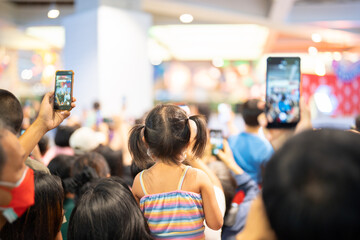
(113,158)
(311,187)
(43,145)
(3,156)
(96,105)
(167,133)
(357,123)
(63,135)
(94,160)
(250,112)
(11,111)
(106,211)
(61,166)
(42,220)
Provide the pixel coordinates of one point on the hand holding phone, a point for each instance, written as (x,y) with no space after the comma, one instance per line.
(63,89)
(282,92)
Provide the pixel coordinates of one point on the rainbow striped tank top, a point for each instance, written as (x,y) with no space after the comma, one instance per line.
(174,215)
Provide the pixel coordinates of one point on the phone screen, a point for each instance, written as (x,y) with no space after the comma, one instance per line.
(216,141)
(63,90)
(283,92)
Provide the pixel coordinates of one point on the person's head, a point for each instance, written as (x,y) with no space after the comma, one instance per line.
(63,135)
(12,165)
(85,139)
(61,166)
(113,158)
(94,160)
(108,210)
(43,145)
(42,220)
(166,135)
(250,112)
(357,123)
(96,106)
(202,109)
(11,112)
(311,186)
(17,185)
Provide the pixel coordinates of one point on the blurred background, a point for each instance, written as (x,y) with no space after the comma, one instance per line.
(131,54)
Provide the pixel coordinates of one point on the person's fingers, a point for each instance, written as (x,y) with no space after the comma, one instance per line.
(73,99)
(47,96)
(226,145)
(261,105)
(65,114)
(305,117)
(221,155)
(262,120)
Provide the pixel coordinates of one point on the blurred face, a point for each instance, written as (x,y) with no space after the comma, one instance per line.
(14,166)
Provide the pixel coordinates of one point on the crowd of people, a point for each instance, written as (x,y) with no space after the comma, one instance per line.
(158,178)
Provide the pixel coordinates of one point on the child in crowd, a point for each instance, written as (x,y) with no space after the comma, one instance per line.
(175,198)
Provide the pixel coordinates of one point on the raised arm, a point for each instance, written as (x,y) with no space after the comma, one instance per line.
(47,119)
(213,216)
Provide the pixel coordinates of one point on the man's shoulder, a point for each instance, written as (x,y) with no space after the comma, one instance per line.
(36,165)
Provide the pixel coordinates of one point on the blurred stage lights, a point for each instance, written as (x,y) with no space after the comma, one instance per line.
(337,56)
(218,62)
(316,37)
(312,51)
(320,69)
(53,13)
(186,18)
(26,74)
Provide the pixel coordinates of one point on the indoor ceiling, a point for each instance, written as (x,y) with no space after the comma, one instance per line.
(291,23)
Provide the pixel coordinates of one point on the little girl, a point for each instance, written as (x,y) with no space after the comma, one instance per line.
(174,198)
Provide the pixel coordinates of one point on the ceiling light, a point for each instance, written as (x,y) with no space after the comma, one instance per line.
(53,13)
(316,37)
(312,50)
(204,42)
(186,18)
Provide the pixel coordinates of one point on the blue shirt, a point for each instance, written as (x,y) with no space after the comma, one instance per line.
(250,152)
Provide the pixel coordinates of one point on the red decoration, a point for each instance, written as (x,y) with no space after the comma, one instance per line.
(347,94)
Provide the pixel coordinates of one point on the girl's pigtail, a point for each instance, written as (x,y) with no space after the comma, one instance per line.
(201,135)
(137,146)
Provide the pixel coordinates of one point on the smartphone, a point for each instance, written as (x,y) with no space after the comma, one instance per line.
(64,81)
(282,92)
(216,141)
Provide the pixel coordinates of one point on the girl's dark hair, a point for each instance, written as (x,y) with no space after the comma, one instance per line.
(108,210)
(42,220)
(167,134)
